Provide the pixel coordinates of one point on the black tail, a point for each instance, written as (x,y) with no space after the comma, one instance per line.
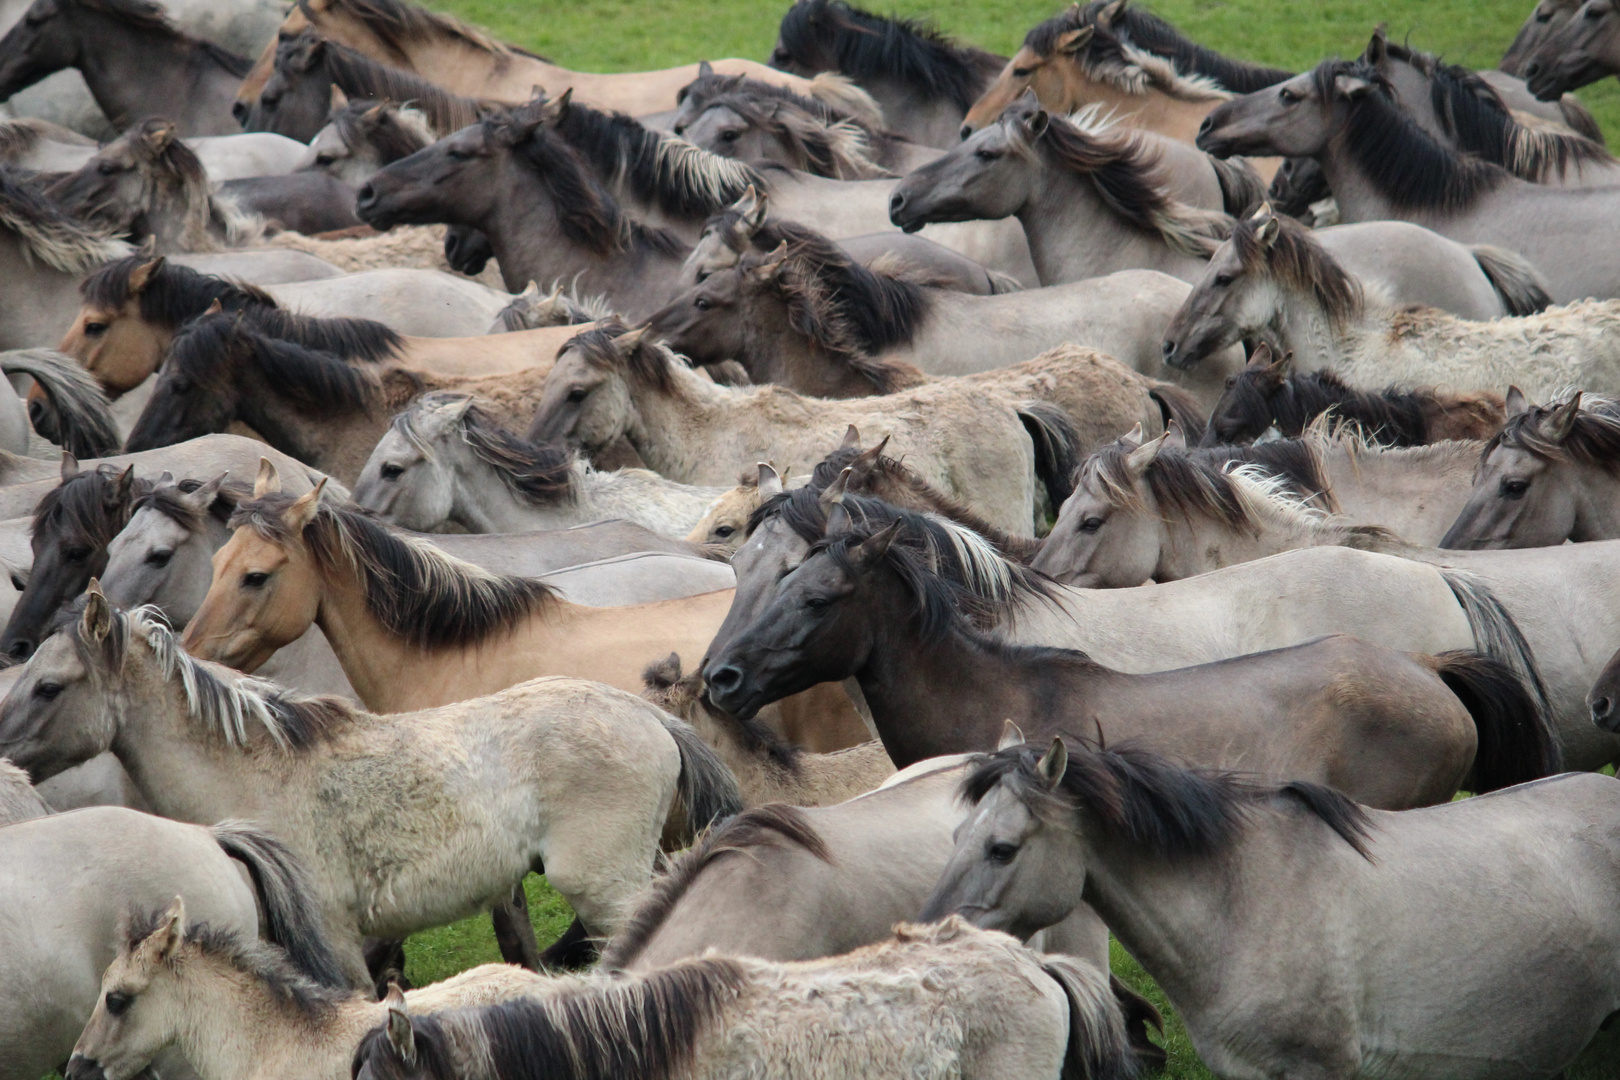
(1177,404)
(286,899)
(1099,1046)
(1496,634)
(708,791)
(1516,743)
(1057,448)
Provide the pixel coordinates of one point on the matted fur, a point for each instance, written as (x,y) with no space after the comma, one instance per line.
(48,233)
(1296,261)
(536,473)
(430,599)
(1593,438)
(1158,806)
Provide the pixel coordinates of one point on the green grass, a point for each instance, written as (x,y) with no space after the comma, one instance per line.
(621,35)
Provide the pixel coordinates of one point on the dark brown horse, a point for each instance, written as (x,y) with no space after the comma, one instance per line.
(869,604)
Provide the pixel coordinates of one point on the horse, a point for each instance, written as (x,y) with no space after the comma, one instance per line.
(1305,289)
(923,81)
(1377,898)
(931,1002)
(1547,476)
(1579,52)
(71,879)
(1267,394)
(205,743)
(1546,17)
(19,801)
(184,977)
(1092,198)
(465,60)
(1143,512)
(970,435)
(136,62)
(43,253)
(1382,165)
(809,317)
(362,136)
(867,604)
(148,183)
(446,459)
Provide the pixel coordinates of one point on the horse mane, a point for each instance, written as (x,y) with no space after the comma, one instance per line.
(359,76)
(586,212)
(773,823)
(206,349)
(704,89)
(659,168)
(841,305)
(1125,174)
(48,233)
(649,362)
(263,963)
(1473,113)
(172,173)
(427,597)
(398,131)
(237,708)
(1149,33)
(94,503)
(1156,805)
(1593,439)
(867,46)
(839,149)
(536,473)
(1297,462)
(146,15)
(1296,260)
(1392,416)
(396,23)
(591,1027)
(166,500)
(1406,164)
(1118,63)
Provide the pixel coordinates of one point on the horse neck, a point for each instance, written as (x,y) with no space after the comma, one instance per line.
(1301,326)
(444,60)
(677,433)
(339,445)
(136,67)
(1357,197)
(632,493)
(40,300)
(233,1026)
(1074,235)
(1193,545)
(782,355)
(1154,110)
(1597,512)
(482,502)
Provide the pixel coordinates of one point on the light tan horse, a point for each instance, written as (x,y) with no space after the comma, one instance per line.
(467,61)
(238,1011)
(414,628)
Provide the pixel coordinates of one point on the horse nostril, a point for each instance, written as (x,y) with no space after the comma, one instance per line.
(1207,126)
(1601,708)
(1168,348)
(967,129)
(1531,70)
(368,195)
(725,679)
(240,111)
(897,202)
(20,649)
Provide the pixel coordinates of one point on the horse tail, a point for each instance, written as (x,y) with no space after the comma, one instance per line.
(1496,634)
(1579,119)
(1514,279)
(1099,1047)
(1177,404)
(1516,743)
(707,788)
(75,413)
(1241,187)
(286,898)
(1057,448)
(1002,284)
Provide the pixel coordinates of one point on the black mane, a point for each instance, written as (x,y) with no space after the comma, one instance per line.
(206,349)
(1148,32)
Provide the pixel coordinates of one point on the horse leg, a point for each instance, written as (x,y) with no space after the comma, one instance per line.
(514,933)
(574,950)
(385,960)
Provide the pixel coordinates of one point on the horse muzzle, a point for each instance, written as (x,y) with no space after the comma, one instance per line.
(1605,715)
(731,691)
(80,1067)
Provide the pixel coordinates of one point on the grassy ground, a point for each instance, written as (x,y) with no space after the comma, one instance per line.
(629,35)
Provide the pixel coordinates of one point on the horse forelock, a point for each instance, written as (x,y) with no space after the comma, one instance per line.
(1120,63)
(431,599)
(773,823)
(844,307)
(169,500)
(49,233)
(92,505)
(1593,438)
(1298,262)
(649,363)
(873,46)
(396,132)
(1176,480)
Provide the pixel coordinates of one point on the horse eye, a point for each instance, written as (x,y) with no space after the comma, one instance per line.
(77,554)
(181,386)
(255,580)
(1001,852)
(392,471)
(724,531)
(986,155)
(106,168)
(95,329)
(1231,381)
(1091,524)
(817,603)
(1514,489)
(159,558)
(457,155)
(47,691)
(1287,96)
(18,583)
(324,159)
(577,395)
(1223,280)
(701,304)
(117,1003)
(729,136)
(1023,73)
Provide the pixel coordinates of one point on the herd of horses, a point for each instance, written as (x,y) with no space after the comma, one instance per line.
(870,527)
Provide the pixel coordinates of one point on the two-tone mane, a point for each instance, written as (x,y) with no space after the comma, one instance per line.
(868,46)
(50,234)
(392,131)
(360,77)
(536,473)
(1406,165)
(837,148)
(397,24)
(430,599)
(1296,261)
(1593,437)
(1143,31)
(1115,61)
(1154,805)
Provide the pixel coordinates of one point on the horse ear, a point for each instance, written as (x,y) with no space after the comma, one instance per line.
(142,275)
(158,136)
(705,69)
(866,461)
(124,483)
(1515,402)
(1174,436)
(204,496)
(1053,764)
(629,341)
(1267,227)
(753,206)
(876,546)
(1134,437)
(303,511)
(395,998)
(170,934)
(268,480)
(1011,735)
(1111,13)
(852,438)
(769,482)
(1352,87)
(401,1036)
(552,112)
(1378,47)
(340,100)
(1036,125)
(1261,359)
(374,113)
(769,266)
(834,493)
(531,290)
(96,622)
(1562,421)
(70,466)
(1073,41)
(216,307)
(1139,460)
